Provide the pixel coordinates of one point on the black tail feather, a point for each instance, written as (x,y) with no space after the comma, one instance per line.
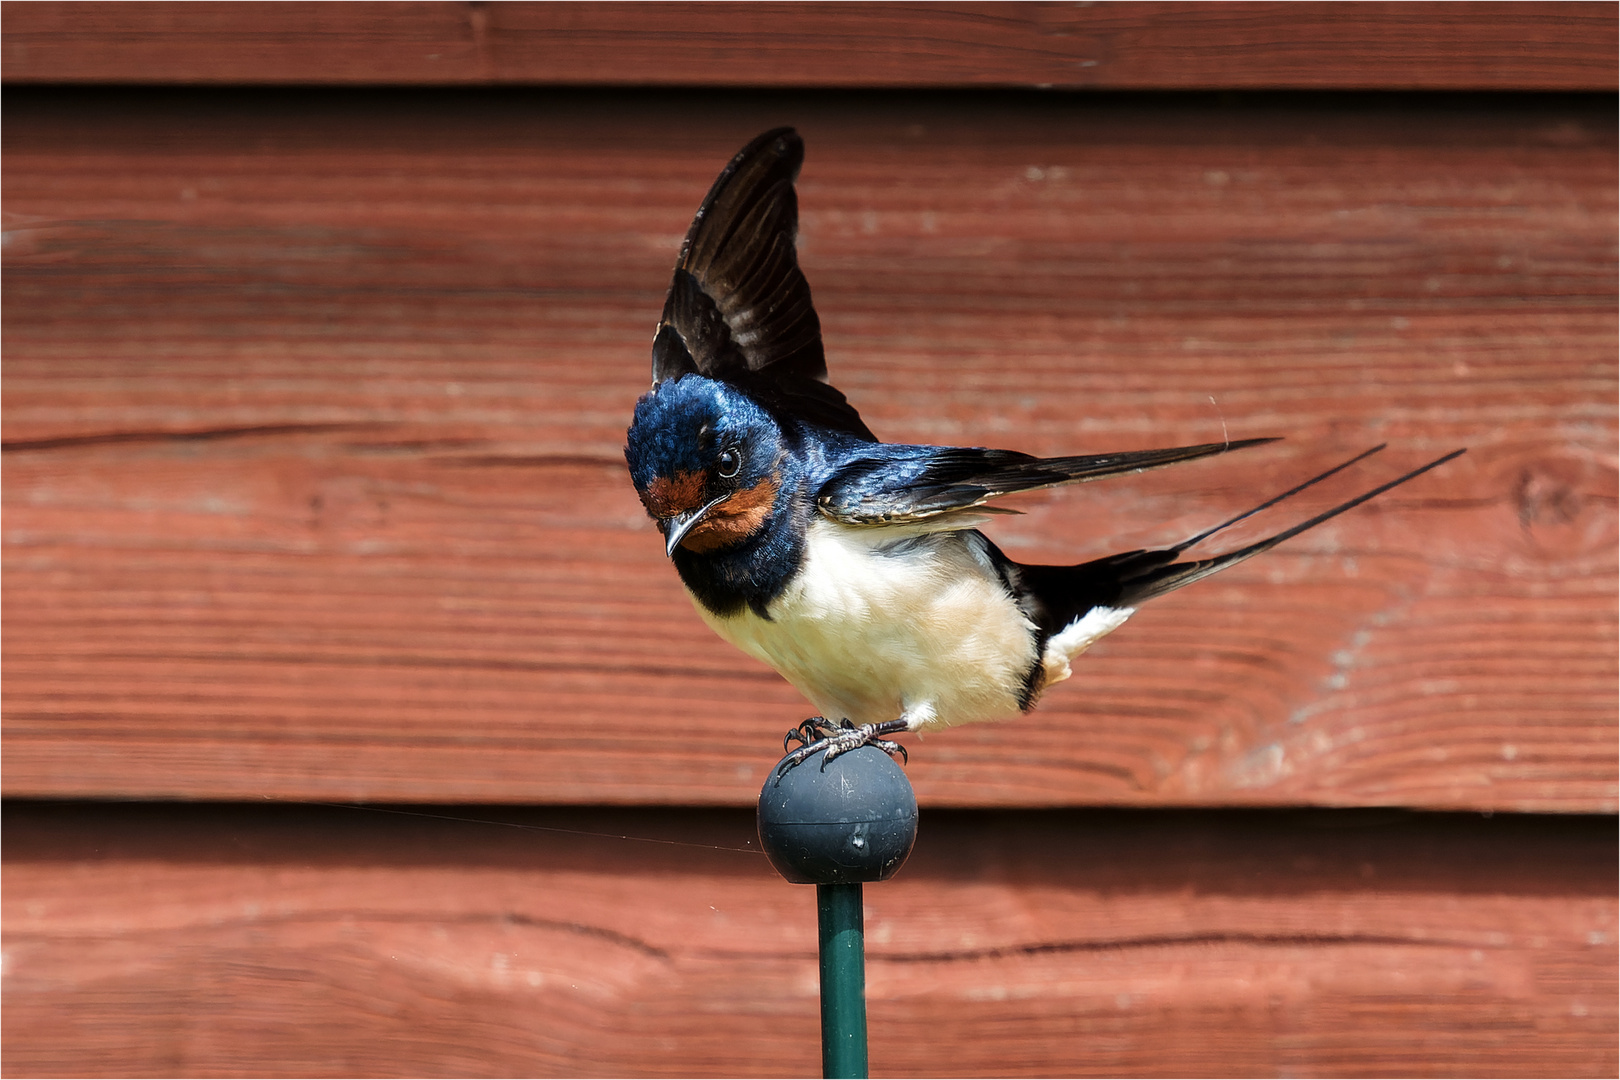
(1161,579)
(1274,500)
(1054,596)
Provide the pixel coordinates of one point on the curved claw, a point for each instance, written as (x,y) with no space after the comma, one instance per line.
(806,732)
(798,757)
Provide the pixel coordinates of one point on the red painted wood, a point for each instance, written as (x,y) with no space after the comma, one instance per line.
(229,941)
(315,405)
(1434,46)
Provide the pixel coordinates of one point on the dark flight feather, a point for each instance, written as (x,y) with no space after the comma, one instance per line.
(904,484)
(739,308)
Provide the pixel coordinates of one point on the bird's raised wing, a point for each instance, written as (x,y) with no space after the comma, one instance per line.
(739,308)
(909,484)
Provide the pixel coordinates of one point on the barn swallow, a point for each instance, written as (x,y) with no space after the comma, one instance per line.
(853,567)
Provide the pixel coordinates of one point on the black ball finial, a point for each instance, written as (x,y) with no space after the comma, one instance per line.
(839,822)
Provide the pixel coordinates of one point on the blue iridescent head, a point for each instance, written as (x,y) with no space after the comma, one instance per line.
(705,460)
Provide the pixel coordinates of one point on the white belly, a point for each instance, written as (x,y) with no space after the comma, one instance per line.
(876,628)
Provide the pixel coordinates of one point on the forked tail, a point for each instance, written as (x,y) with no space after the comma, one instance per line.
(1055,596)
(1168,576)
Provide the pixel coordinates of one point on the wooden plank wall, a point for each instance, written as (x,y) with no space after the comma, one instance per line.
(314,404)
(238,940)
(1141,46)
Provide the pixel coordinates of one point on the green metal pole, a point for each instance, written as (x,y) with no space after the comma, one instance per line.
(843,980)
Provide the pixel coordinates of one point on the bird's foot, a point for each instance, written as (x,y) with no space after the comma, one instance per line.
(817,734)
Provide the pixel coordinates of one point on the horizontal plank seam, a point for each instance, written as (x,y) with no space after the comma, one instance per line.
(200,435)
(1151,941)
(350,915)
(1169,940)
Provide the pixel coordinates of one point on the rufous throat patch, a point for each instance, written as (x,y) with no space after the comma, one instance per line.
(666,497)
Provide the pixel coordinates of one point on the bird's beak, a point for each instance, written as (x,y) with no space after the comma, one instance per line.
(677,527)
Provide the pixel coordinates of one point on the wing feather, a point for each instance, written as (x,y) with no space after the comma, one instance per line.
(739,308)
(910,484)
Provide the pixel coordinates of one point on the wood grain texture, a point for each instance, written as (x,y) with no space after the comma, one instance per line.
(315,406)
(230,941)
(1435,46)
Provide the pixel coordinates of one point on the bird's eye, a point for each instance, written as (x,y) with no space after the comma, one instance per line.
(728,464)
